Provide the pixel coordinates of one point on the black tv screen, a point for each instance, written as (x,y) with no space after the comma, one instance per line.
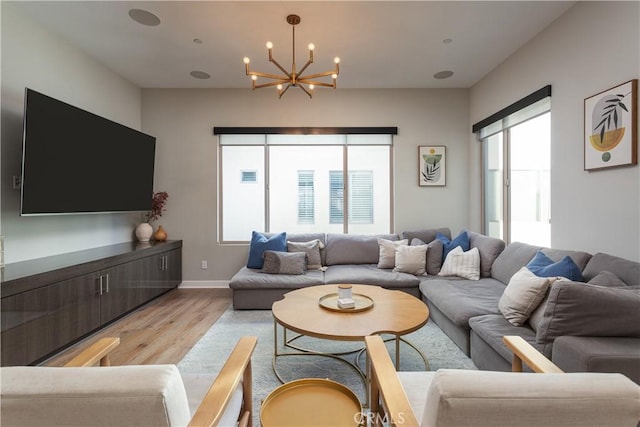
(74,161)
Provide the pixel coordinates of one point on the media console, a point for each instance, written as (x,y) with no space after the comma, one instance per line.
(49,303)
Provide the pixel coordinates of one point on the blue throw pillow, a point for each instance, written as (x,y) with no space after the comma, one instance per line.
(448,245)
(543,266)
(261,243)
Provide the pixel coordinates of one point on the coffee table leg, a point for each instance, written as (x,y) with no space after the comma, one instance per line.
(397,352)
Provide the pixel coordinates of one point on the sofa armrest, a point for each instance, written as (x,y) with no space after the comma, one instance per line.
(525,352)
(386,385)
(237,368)
(97,352)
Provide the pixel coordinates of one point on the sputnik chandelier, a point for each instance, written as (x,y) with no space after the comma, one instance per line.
(293,78)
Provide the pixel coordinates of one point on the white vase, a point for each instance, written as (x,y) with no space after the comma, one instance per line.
(144,232)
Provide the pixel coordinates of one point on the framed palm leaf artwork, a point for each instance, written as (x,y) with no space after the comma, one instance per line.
(432,165)
(611,127)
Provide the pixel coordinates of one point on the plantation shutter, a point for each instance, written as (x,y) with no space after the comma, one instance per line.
(360,197)
(306,205)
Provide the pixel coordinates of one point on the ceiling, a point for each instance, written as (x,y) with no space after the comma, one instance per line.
(382,44)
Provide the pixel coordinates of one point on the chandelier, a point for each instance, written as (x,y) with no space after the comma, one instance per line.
(293,78)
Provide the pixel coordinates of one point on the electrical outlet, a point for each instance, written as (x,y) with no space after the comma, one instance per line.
(203,264)
(17,182)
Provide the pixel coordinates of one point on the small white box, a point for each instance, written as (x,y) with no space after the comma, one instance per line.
(346,303)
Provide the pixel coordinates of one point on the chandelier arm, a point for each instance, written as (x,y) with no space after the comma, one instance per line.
(304,67)
(280,93)
(315,76)
(306,91)
(270,84)
(316,83)
(286,78)
(274,62)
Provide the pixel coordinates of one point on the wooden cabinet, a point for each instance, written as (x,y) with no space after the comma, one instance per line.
(50,303)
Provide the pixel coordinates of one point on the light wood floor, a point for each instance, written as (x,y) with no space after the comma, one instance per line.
(160,332)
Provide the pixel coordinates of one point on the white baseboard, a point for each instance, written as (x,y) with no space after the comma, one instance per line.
(202,284)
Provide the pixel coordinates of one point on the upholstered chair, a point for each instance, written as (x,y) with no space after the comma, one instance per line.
(79,394)
(455,398)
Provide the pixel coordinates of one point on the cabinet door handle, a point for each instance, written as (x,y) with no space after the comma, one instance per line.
(166,263)
(107,282)
(100,279)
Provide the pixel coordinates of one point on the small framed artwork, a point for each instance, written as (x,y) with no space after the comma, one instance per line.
(432,165)
(611,127)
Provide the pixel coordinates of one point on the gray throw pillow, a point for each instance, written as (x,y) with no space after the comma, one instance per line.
(608,279)
(523,295)
(434,255)
(489,248)
(284,262)
(312,249)
(581,309)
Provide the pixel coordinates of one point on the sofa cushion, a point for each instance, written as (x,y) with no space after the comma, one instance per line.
(411,259)
(434,255)
(489,248)
(581,309)
(260,243)
(152,395)
(491,328)
(459,299)
(248,278)
(354,248)
(284,262)
(598,354)
(607,279)
(543,266)
(523,295)
(514,256)
(461,240)
(505,399)
(462,264)
(628,271)
(427,235)
(369,274)
(387,252)
(311,249)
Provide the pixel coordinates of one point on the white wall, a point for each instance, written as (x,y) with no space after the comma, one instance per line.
(592,47)
(34,57)
(183,121)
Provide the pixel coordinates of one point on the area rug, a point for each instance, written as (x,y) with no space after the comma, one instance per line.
(210,352)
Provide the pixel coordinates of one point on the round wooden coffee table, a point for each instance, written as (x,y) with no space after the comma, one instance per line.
(393,312)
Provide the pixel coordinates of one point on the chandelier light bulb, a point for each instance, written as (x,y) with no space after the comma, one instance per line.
(246,60)
(279,87)
(311,87)
(269,45)
(311,46)
(334,76)
(254,77)
(336,60)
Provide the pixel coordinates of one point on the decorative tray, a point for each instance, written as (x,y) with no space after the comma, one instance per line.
(330,302)
(305,402)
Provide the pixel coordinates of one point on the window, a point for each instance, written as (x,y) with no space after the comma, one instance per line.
(306,199)
(516,171)
(249,176)
(302,184)
(360,197)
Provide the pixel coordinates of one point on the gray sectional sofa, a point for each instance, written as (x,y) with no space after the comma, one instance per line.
(580,326)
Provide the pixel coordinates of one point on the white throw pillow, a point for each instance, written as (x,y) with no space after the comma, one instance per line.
(411,259)
(387,258)
(462,264)
(523,295)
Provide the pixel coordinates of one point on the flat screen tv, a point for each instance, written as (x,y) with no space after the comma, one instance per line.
(75,162)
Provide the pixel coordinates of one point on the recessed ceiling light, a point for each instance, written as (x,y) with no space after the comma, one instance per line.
(447,41)
(200,75)
(144,17)
(443,74)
